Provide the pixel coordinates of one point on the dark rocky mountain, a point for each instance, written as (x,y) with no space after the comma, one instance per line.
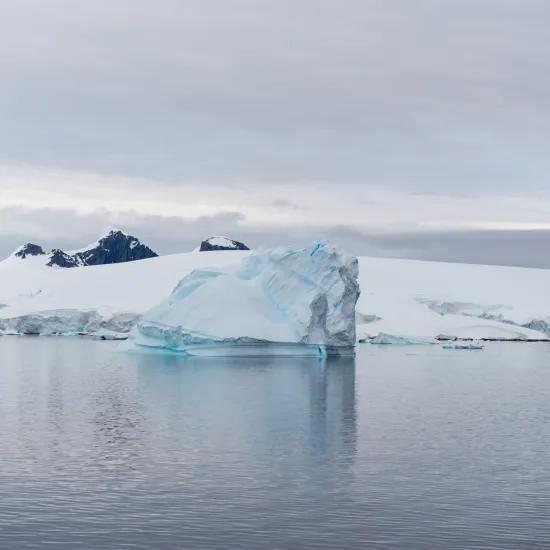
(29,249)
(116,247)
(62,259)
(221,243)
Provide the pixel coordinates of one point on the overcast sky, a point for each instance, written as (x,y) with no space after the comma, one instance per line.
(393,127)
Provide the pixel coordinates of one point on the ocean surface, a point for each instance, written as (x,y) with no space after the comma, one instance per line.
(403,447)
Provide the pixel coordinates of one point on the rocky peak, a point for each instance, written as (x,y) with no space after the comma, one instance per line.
(62,259)
(115,248)
(221,243)
(29,249)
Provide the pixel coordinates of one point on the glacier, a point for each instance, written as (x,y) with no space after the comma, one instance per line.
(275,302)
(406,298)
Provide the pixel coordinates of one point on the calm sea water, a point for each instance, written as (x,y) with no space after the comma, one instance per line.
(399,448)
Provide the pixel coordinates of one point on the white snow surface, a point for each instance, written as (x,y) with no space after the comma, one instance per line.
(285,296)
(418,299)
(411,299)
(221,241)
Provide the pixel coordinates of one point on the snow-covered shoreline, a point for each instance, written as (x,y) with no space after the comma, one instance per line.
(406,298)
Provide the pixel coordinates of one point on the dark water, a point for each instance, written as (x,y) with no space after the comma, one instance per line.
(401,448)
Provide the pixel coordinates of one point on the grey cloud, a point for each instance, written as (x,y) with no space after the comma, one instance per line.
(503,247)
(55,227)
(393,92)
(286,204)
(443,98)
(519,248)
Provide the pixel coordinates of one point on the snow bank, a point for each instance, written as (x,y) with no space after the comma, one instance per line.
(283,301)
(419,299)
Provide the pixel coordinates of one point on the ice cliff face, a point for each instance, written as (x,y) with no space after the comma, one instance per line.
(221,243)
(283,301)
(69,322)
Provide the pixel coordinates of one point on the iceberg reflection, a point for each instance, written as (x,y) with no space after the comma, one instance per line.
(259,410)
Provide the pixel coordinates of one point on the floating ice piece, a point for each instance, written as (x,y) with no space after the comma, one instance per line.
(275,302)
(386,339)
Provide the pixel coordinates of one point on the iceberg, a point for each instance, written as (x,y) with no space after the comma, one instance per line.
(275,302)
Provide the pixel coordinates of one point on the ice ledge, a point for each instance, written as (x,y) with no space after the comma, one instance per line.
(70,322)
(157,337)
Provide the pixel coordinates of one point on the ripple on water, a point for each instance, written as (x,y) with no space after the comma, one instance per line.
(400,448)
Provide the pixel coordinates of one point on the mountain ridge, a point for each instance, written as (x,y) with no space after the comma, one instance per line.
(115,247)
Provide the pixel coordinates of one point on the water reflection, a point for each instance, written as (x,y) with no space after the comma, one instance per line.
(107,450)
(288,408)
(333,408)
(117,420)
(104,448)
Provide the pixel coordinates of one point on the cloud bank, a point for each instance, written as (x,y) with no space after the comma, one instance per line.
(402,122)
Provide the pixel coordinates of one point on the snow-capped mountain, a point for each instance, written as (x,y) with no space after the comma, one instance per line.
(59,258)
(29,249)
(116,247)
(221,243)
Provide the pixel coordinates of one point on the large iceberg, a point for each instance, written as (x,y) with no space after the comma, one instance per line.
(274,302)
